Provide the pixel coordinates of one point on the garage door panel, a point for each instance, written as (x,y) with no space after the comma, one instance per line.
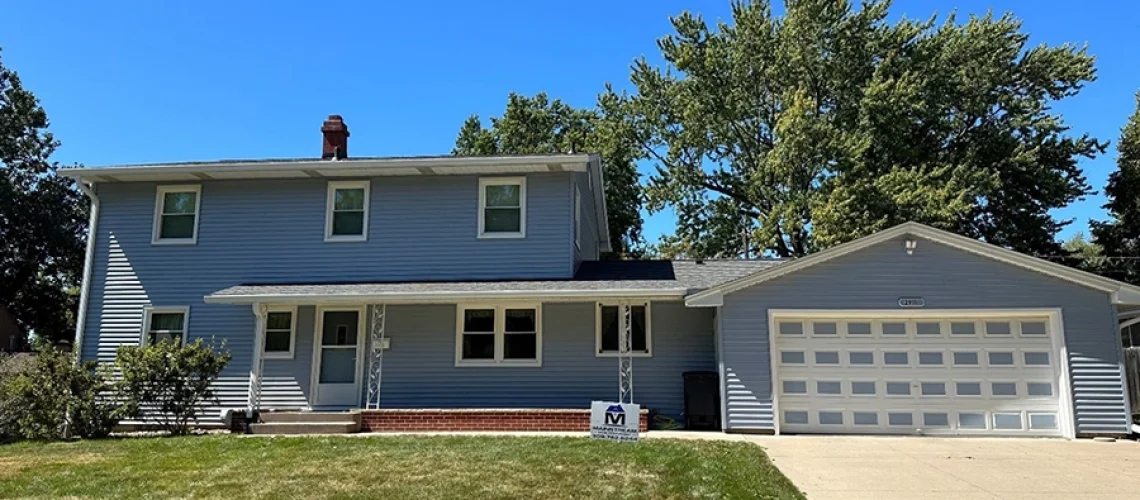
(919,375)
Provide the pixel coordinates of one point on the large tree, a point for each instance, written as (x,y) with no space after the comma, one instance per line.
(42,219)
(800,132)
(537,125)
(1119,237)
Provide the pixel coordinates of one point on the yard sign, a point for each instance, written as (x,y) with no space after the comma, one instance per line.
(614,421)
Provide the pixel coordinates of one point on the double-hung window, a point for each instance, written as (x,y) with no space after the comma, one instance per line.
(611,322)
(502,207)
(176,215)
(346,213)
(499,335)
(280,327)
(165,324)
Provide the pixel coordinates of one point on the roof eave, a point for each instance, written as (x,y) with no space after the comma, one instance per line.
(445,296)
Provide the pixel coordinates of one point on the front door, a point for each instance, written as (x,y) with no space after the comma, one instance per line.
(338,357)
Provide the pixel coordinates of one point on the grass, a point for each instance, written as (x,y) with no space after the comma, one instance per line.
(411,467)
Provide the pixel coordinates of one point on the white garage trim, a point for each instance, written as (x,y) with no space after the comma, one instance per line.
(1066,421)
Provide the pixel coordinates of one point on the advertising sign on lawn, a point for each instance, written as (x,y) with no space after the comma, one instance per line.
(614,421)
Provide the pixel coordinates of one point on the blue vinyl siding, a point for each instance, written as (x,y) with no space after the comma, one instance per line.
(272,231)
(420,372)
(589,246)
(947,278)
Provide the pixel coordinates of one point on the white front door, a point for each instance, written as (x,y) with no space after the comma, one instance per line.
(337,357)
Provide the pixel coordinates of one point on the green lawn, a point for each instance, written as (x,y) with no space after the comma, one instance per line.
(417,468)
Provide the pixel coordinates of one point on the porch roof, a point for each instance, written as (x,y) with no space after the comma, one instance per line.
(594,279)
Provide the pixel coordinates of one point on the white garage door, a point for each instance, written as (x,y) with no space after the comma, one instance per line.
(920,374)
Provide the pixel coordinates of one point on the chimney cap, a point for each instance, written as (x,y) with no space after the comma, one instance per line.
(334,123)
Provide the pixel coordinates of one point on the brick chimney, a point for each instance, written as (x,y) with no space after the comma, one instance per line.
(335,134)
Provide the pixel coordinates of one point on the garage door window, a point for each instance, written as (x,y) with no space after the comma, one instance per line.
(928,328)
(828,388)
(859,329)
(1033,328)
(933,388)
(864,388)
(896,358)
(866,418)
(1039,389)
(971,421)
(1036,358)
(792,357)
(900,418)
(824,328)
(861,357)
(998,328)
(831,418)
(898,388)
(795,417)
(968,388)
(795,387)
(1007,421)
(962,328)
(1003,389)
(1000,358)
(965,358)
(794,329)
(930,358)
(827,357)
(1042,421)
(937,419)
(891,329)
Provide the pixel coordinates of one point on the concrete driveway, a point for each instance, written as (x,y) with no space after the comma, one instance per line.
(886,468)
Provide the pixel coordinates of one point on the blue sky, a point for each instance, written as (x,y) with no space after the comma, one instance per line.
(144,81)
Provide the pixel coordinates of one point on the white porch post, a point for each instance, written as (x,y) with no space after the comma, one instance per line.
(625,358)
(257,363)
(376,356)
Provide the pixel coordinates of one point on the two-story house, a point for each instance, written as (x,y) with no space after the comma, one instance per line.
(467,293)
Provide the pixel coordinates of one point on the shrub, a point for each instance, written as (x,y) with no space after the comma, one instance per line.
(168,382)
(50,396)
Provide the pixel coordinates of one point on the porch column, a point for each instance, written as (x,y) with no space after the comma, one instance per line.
(376,355)
(625,358)
(257,363)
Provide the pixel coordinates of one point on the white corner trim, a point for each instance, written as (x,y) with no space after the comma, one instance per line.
(276,355)
(149,310)
(330,201)
(501,181)
(499,334)
(159,197)
(1126,295)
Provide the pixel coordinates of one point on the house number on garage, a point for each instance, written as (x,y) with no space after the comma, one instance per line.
(912,302)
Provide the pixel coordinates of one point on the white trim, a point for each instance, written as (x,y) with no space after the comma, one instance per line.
(330,200)
(292,310)
(150,310)
(1066,418)
(159,198)
(499,334)
(315,365)
(598,353)
(1120,292)
(502,181)
(447,296)
(577,217)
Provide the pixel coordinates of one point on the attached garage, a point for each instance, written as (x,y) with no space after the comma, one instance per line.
(984,372)
(918,331)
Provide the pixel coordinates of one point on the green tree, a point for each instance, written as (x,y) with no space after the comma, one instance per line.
(1120,237)
(1083,254)
(537,125)
(43,219)
(830,123)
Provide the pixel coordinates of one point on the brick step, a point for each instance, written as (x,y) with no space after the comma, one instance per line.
(312,417)
(306,428)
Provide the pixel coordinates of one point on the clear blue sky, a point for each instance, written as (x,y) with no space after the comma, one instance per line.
(146,81)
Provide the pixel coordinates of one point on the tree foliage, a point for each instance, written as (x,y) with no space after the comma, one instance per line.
(42,219)
(169,382)
(1120,237)
(831,123)
(537,125)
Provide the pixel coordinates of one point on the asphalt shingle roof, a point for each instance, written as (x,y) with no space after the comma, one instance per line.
(649,275)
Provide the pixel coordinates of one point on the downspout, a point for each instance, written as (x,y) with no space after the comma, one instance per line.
(88,264)
(255,368)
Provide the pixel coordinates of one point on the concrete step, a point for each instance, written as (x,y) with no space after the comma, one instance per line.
(311,417)
(306,428)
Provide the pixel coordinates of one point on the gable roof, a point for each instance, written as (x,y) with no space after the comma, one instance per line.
(594,280)
(1121,293)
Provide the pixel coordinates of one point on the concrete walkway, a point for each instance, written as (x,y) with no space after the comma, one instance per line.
(887,468)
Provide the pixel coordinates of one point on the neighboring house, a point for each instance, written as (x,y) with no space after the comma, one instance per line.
(442,288)
(12,338)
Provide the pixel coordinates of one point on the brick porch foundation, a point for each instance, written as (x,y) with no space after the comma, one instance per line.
(480,420)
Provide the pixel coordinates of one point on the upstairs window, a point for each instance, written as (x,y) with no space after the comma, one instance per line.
(610,324)
(346,216)
(494,335)
(280,326)
(502,207)
(176,215)
(164,324)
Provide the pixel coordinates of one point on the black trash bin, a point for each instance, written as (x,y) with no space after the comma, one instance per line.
(702,401)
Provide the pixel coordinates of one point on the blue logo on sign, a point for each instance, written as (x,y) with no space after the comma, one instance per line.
(615,415)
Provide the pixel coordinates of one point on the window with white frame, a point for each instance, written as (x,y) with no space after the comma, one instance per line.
(498,335)
(280,330)
(610,324)
(502,207)
(577,217)
(165,324)
(346,212)
(176,214)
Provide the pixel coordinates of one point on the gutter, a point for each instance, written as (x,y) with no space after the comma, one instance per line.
(444,296)
(88,264)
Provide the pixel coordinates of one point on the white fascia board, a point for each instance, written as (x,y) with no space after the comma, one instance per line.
(715,299)
(568,162)
(1126,295)
(420,297)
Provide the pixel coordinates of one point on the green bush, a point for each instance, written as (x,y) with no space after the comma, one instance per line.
(168,382)
(50,396)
